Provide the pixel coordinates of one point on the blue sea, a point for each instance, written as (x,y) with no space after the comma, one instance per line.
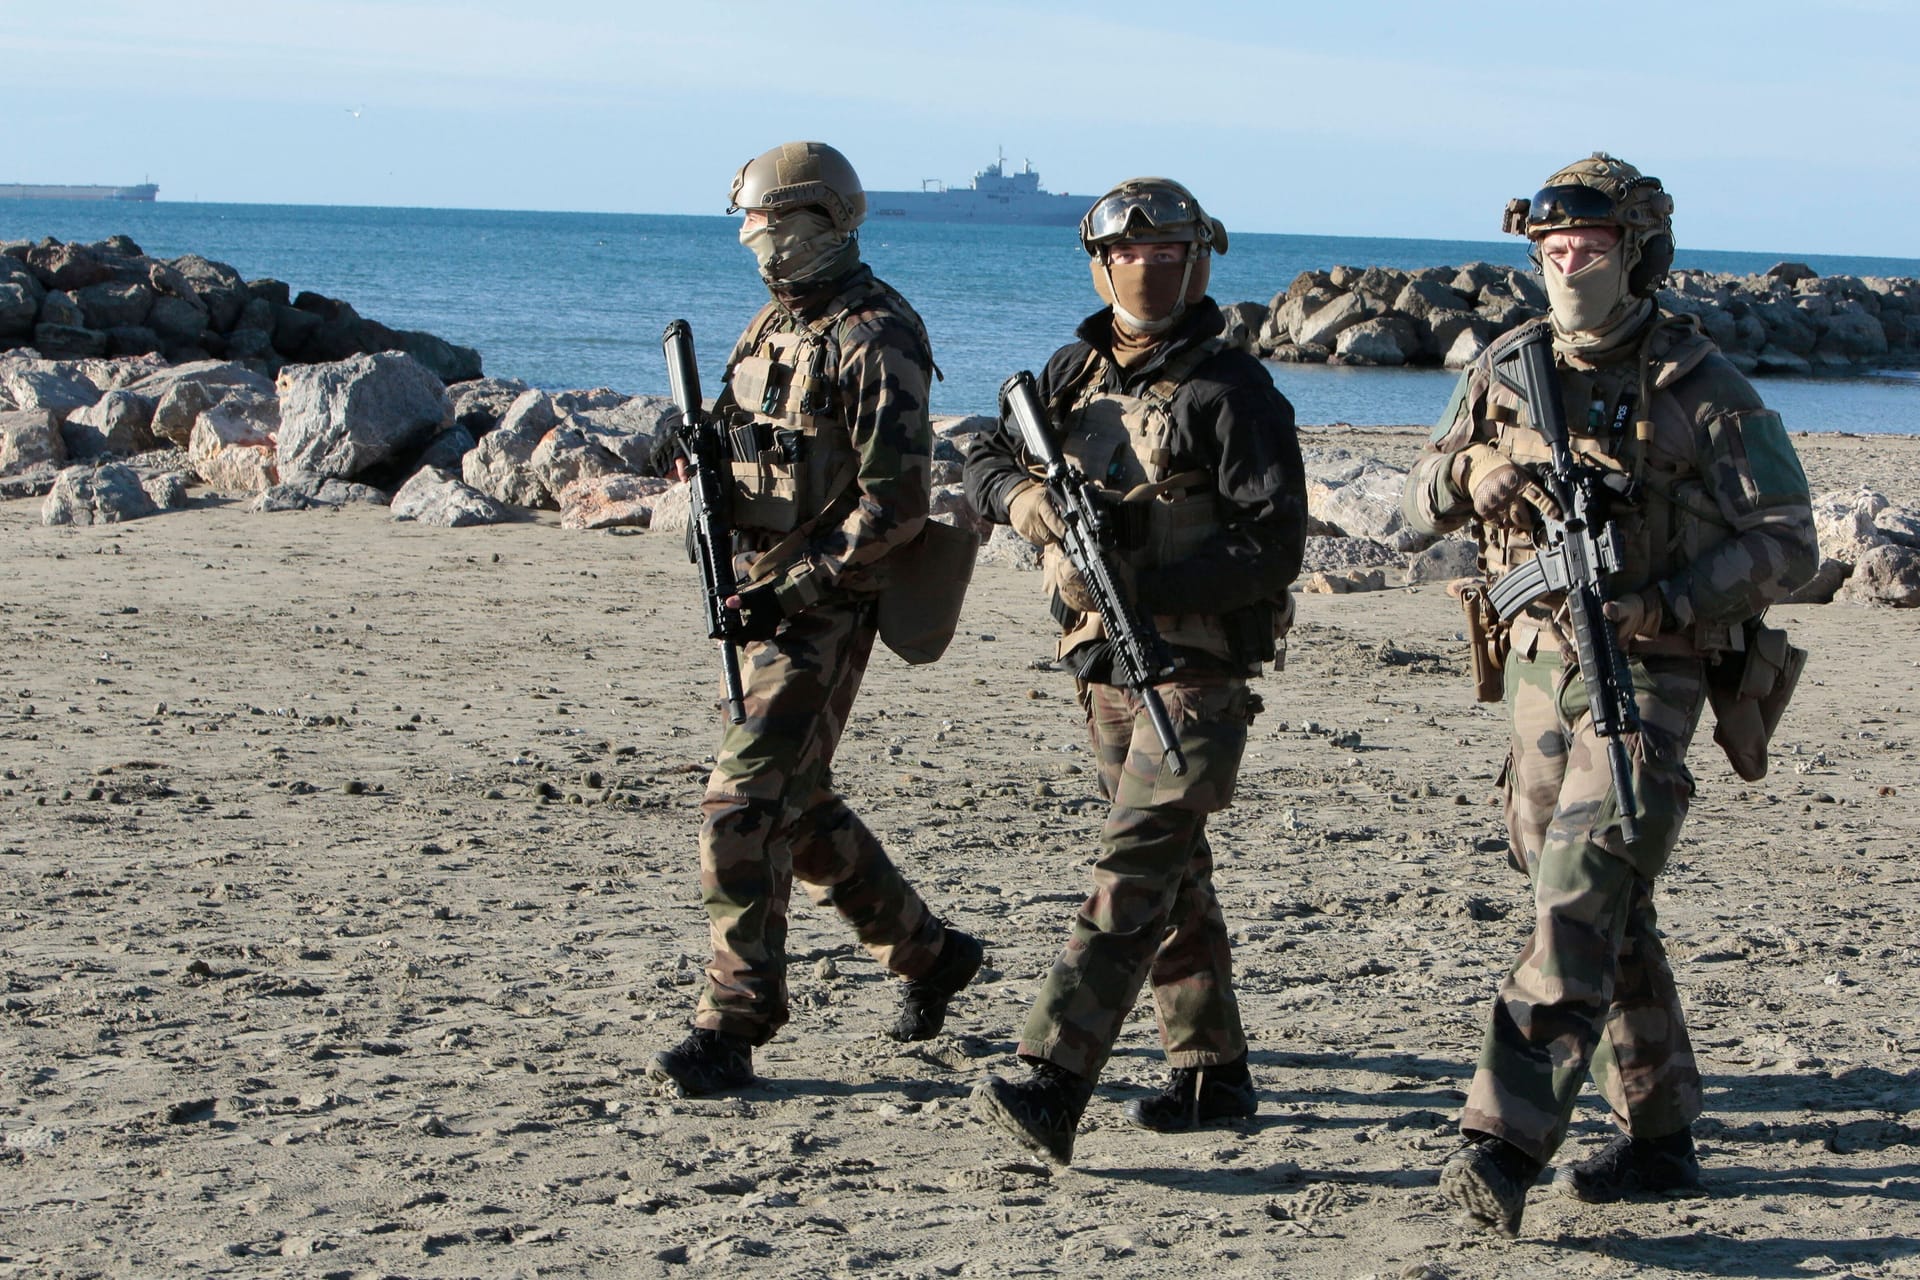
(569,300)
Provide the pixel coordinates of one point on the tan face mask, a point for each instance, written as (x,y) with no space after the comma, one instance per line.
(1149,298)
(1590,297)
(794,247)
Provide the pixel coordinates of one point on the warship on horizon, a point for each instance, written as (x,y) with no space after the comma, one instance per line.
(142,192)
(994,196)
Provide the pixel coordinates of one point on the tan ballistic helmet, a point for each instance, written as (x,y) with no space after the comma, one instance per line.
(1603,191)
(1150,209)
(801,173)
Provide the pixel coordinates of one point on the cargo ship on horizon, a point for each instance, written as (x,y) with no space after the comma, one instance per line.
(994,196)
(143,192)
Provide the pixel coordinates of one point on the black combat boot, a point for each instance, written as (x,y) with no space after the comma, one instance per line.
(1489,1179)
(1198,1096)
(923,1007)
(1041,1112)
(1632,1166)
(705,1062)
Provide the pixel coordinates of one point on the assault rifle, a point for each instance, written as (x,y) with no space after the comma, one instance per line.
(1139,655)
(1574,555)
(707,490)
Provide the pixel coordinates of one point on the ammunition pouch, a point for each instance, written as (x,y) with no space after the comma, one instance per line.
(920,607)
(1486,642)
(1749,690)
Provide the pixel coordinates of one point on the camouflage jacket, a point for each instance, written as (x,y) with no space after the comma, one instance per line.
(881,365)
(1228,420)
(1723,526)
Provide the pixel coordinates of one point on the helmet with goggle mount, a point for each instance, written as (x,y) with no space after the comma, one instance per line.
(1150,209)
(1603,191)
(796,174)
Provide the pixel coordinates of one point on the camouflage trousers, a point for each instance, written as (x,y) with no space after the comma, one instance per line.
(1153,914)
(771,817)
(1592,991)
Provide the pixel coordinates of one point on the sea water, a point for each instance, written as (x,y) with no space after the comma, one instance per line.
(573,300)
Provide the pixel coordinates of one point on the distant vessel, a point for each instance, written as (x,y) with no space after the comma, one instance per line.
(994,195)
(144,192)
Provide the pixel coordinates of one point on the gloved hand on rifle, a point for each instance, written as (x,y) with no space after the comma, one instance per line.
(668,455)
(759,611)
(1500,491)
(1033,516)
(1075,594)
(1638,613)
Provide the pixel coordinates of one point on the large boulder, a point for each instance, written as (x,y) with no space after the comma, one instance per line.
(436,497)
(480,404)
(1889,574)
(181,393)
(219,288)
(1852,336)
(1245,323)
(1005,547)
(1444,561)
(1323,327)
(1384,340)
(66,266)
(1844,524)
(117,424)
(115,303)
(107,494)
(60,308)
(30,439)
(609,501)
(448,362)
(501,464)
(672,509)
(69,342)
(19,308)
(59,387)
(343,419)
(232,445)
(1364,502)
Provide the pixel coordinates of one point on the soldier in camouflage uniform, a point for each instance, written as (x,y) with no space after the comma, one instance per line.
(825,410)
(1717,526)
(1197,449)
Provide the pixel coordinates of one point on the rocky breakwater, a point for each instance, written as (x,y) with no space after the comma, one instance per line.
(1787,320)
(83,301)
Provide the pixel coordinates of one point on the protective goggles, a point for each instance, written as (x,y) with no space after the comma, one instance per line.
(1154,208)
(1574,202)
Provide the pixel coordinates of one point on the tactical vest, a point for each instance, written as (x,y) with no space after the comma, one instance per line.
(1123,441)
(1631,423)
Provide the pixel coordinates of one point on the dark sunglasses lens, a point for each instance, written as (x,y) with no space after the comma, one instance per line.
(1572,203)
(1116,214)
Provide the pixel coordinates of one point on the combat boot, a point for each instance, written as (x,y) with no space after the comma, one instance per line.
(1489,1179)
(1632,1166)
(1198,1096)
(705,1062)
(923,1007)
(1041,1112)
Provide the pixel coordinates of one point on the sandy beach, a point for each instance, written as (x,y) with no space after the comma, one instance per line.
(350,884)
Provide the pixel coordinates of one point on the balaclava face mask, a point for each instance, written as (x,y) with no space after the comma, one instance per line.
(798,247)
(1594,312)
(1148,299)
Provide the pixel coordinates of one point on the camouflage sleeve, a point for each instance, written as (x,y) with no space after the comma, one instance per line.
(1429,502)
(883,379)
(1750,467)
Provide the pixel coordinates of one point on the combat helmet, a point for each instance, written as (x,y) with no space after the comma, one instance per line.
(1604,191)
(795,174)
(1150,209)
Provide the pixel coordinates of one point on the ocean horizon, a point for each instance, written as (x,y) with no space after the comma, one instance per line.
(576,300)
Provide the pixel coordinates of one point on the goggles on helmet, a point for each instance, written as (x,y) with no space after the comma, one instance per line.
(1572,203)
(1141,209)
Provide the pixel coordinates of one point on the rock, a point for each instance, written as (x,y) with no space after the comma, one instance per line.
(1457,337)
(68,342)
(1776,360)
(1339,584)
(446,449)
(435,497)
(1844,524)
(949,505)
(1888,574)
(60,308)
(1300,353)
(575,450)
(1821,588)
(30,439)
(671,510)
(184,392)
(1005,547)
(1323,327)
(1899,524)
(1339,554)
(1245,323)
(217,286)
(19,308)
(1444,561)
(280,497)
(107,494)
(1852,336)
(168,489)
(626,426)
(501,464)
(447,362)
(609,501)
(344,419)
(480,404)
(115,304)
(66,266)
(178,321)
(232,444)
(1384,340)
(132,340)
(116,424)
(1475,276)
(1790,272)
(1366,504)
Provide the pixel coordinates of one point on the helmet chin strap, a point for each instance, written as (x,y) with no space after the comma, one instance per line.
(1139,324)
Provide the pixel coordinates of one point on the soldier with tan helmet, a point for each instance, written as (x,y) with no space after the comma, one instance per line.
(1196,452)
(1712,523)
(825,413)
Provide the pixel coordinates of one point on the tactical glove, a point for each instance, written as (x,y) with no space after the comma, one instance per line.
(1500,492)
(760,614)
(1638,613)
(1033,516)
(1075,594)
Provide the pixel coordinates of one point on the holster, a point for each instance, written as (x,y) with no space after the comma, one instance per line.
(1749,691)
(920,607)
(1486,641)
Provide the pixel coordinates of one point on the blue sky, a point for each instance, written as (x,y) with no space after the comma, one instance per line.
(1778,126)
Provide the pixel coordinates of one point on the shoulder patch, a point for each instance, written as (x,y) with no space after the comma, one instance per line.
(1451,414)
(1771,460)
